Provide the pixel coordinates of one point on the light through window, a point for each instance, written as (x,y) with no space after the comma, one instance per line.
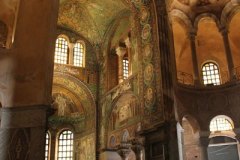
(65,145)
(47,146)
(61,51)
(220,124)
(210,74)
(78,54)
(125,68)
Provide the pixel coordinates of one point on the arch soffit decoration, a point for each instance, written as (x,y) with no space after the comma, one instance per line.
(113,27)
(77,87)
(207,15)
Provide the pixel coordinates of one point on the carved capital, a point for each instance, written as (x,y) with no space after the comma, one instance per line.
(124,149)
(121,51)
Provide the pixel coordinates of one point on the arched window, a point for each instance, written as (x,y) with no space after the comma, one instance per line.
(78,54)
(61,51)
(65,145)
(47,146)
(221,123)
(125,67)
(211,75)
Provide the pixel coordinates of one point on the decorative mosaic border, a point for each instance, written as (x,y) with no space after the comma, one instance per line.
(147,51)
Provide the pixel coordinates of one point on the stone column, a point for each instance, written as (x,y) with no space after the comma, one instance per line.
(52,142)
(23,132)
(120,51)
(137,147)
(194,59)
(26,96)
(203,145)
(71,53)
(228,54)
(129,47)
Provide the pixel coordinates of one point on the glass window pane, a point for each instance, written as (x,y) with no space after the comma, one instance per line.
(125,68)
(47,146)
(210,74)
(220,124)
(61,51)
(65,145)
(78,54)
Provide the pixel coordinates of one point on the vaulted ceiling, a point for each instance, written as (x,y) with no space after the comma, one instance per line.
(90,18)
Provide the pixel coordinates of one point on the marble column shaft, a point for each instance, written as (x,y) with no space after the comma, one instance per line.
(194,59)
(228,54)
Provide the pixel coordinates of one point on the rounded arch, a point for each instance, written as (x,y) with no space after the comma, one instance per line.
(127,103)
(75,85)
(79,53)
(192,121)
(211,73)
(61,54)
(63,36)
(207,15)
(82,95)
(229,11)
(63,129)
(221,123)
(65,144)
(222,138)
(118,29)
(125,135)
(112,29)
(183,19)
(112,141)
(188,138)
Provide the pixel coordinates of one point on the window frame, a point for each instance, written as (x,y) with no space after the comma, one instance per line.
(49,145)
(58,140)
(219,73)
(68,49)
(125,58)
(226,118)
(81,42)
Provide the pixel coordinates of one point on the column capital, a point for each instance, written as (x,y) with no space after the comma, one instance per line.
(224,31)
(192,36)
(121,51)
